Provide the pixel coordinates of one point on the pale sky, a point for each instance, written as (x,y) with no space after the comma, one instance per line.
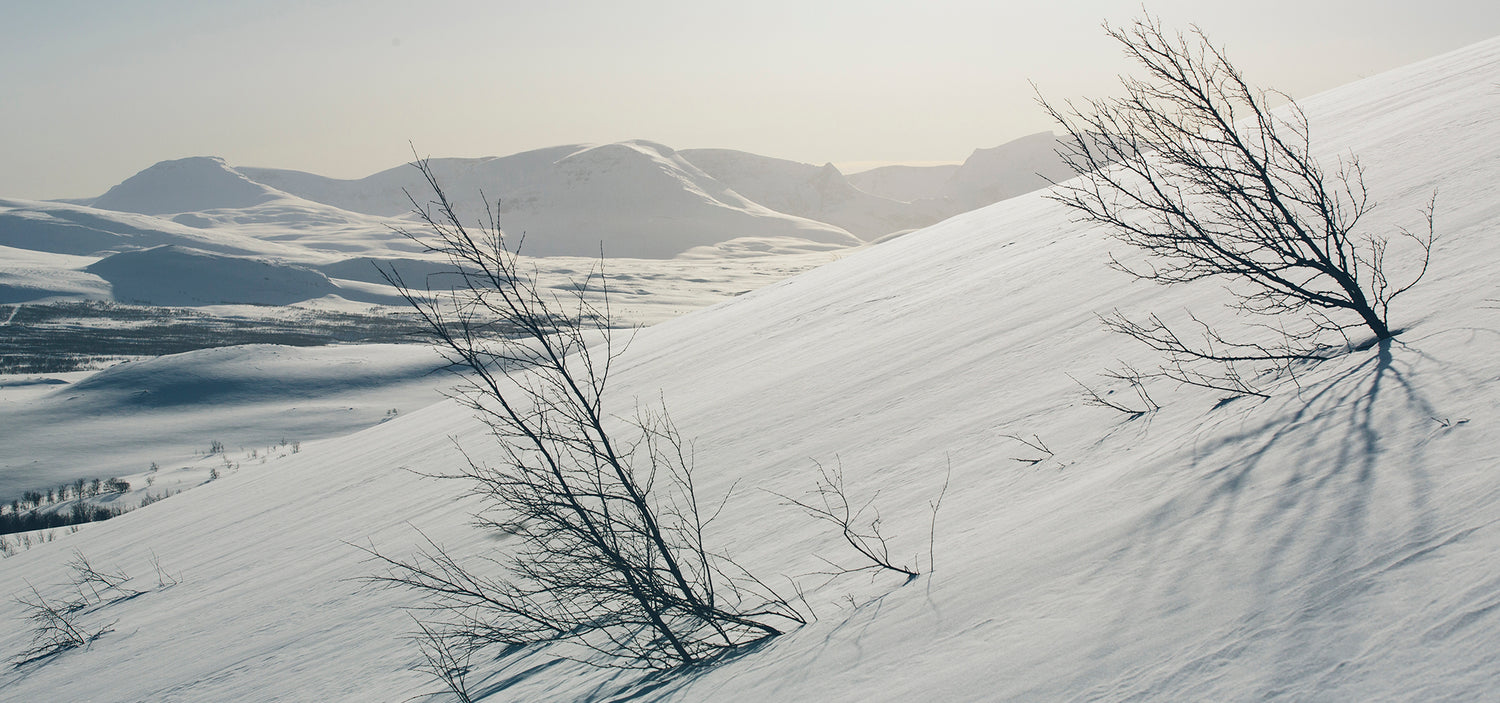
(92,91)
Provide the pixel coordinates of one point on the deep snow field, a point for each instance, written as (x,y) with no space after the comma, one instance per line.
(1337,541)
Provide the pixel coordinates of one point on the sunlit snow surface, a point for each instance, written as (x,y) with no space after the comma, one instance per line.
(1337,542)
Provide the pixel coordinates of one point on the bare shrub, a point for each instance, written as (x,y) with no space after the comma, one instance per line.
(859,526)
(164,578)
(1193,169)
(54,627)
(446,659)
(1035,444)
(91,580)
(612,562)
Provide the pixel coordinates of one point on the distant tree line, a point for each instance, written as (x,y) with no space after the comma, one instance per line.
(24,514)
(11,523)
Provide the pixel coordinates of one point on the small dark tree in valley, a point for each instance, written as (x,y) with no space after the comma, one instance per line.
(1194,169)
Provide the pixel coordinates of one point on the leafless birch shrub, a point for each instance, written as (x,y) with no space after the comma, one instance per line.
(610,561)
(54,627)
(1034,444)
(1192,168)
(91,580)
(446,659)
(860,525)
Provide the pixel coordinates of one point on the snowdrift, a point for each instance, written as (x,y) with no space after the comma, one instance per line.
(1335,542)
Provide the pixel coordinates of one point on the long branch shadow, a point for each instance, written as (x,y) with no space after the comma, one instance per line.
(512,666)
(1295,546)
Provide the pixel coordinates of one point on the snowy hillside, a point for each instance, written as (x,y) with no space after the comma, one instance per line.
(63,228)
(1334,542)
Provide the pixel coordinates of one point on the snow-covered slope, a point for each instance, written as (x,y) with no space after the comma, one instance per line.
(1335,542)
(638,199)
(27,275)
(64,228)
(386,193)
(819,193)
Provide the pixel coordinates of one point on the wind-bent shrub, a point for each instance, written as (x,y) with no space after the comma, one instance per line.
(1194,169)
(612,560)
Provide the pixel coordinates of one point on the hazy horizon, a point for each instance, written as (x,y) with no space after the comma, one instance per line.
(98,91)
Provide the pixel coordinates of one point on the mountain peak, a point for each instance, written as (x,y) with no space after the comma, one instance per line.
(192,184)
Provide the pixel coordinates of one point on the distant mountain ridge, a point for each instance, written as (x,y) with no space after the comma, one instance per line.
(244,226)
(868,205)
(638,198)
(635,198)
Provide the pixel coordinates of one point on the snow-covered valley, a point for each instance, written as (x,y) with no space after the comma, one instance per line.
(194,254)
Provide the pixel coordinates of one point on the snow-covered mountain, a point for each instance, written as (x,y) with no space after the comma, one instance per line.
(643,188)
(1015,167)
(1334,542)
(637,199)
(633,199)
(905,183)
(816,192)
(185,185)
(987,176)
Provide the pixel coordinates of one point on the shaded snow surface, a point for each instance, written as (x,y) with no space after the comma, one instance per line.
(173,275)
(170,409)
(1336,542)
